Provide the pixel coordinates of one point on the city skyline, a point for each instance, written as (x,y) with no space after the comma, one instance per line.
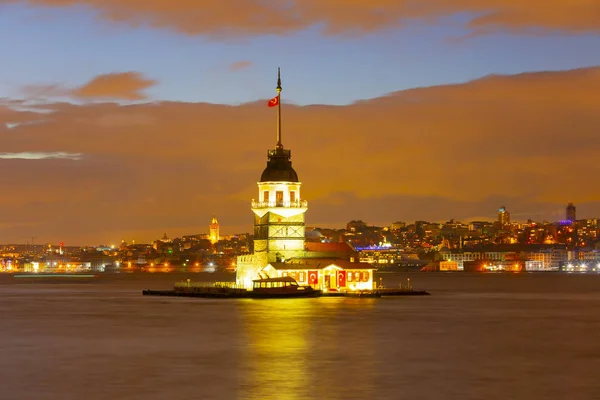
(213,236)
(104,144)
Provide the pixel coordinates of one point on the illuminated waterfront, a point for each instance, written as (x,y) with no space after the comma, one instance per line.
(478,336)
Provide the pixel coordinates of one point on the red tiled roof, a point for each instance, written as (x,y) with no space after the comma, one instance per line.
(334,247)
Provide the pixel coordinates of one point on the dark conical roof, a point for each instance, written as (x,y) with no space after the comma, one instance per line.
(279,167)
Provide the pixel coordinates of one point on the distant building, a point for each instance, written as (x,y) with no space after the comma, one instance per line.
(477,226)
(356,226)
(571,214)
(503,217)
(535,257)
(162,242)
(449,266)
(396,226)
(214,230)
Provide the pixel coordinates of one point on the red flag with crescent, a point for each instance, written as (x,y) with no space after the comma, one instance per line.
(274,101)
(341,275)
(313,277)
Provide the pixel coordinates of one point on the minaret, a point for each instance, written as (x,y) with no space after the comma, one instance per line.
(214,230)
(278,211)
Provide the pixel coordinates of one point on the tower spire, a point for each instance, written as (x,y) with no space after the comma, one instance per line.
(279,144)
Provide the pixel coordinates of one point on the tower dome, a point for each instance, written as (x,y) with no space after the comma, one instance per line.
(279,167)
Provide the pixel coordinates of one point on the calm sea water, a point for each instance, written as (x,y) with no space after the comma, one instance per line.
(494,336)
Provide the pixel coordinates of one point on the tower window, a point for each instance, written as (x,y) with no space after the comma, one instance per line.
(279,198)
(266,196)
(292,196)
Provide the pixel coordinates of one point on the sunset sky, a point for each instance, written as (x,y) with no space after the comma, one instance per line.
(127,119)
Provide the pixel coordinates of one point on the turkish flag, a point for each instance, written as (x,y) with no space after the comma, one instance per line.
(313,277)
(341,277)
(274,101)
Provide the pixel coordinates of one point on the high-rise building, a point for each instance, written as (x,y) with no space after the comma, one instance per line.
(571,213)
(503,216)
(214,230)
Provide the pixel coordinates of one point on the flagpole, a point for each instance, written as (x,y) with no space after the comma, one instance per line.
(279,145)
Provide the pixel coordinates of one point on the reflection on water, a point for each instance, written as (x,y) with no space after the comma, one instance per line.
(516,336)
(277,343)
(292,348)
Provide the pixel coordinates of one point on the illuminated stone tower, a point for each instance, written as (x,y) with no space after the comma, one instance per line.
(214,230)
(278,211)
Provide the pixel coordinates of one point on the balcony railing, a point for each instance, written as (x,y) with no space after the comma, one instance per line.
(283,204)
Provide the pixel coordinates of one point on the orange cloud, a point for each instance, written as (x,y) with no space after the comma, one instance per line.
(113,86)
(16,112)
(254,17)
(528,141)
(123,85)
(238,65)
